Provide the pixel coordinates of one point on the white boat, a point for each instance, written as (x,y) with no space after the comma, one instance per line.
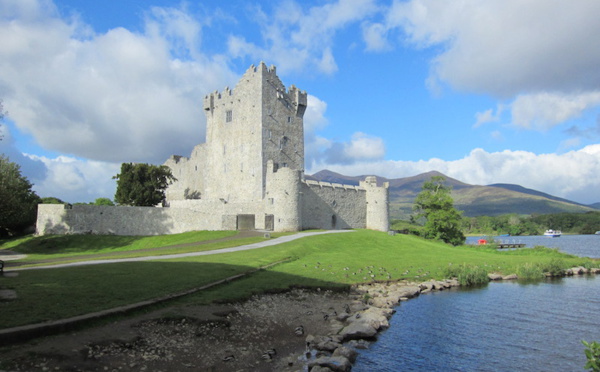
(553,233)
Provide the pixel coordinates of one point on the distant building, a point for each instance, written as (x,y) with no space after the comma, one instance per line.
(249,174)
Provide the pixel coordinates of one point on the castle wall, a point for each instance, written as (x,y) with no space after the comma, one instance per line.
(247,175)
(333,206)
(182,216)
(190,174)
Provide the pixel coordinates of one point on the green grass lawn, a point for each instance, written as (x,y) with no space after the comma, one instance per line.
(73,248)
(326,261)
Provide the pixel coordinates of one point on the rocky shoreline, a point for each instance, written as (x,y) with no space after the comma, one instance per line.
(299,330)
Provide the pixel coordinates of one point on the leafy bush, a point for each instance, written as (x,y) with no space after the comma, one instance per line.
(467,275)
(592,353)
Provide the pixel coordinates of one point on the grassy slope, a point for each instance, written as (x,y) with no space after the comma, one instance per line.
(79,247)
(335,260)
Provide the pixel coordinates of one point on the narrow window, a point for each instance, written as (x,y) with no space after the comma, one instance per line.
(228,116)
(289,119)
(283,142)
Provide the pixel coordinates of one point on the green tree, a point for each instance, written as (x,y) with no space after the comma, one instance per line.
(142,184)
(103,201)
(18,206)
(51,200)
(436,205)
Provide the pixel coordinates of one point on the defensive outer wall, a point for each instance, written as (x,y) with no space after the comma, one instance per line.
(249,174)
(321,205)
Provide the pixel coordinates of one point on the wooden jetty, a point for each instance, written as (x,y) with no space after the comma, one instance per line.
(510,245)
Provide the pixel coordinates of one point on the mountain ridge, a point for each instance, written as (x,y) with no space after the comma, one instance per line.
(473,200)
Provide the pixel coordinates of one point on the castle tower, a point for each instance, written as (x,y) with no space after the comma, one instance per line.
(377,204)
(283,198)
(259,120)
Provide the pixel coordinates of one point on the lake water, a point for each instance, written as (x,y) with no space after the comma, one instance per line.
(579,245)
(504,326)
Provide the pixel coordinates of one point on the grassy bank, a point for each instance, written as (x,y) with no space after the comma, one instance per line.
(73,248)
(326,261)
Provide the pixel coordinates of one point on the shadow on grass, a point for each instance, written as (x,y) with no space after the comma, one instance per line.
(53,294)
(51,244)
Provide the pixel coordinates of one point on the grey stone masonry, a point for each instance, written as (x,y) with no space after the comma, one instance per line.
(248,174)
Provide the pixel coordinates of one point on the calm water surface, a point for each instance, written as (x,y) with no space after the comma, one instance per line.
(580,245)
(501,327)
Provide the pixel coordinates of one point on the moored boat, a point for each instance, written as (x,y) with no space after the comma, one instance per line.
(553,233)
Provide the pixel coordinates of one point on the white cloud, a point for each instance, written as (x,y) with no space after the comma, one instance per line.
(115,96)
(314,117)
(74,180)
(322,153)
(545,110)
(296,38)
(505,47)
(543,52)
(574,175)
(364,147)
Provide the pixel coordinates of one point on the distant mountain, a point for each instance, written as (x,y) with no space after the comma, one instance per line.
(473,200)
(525,190)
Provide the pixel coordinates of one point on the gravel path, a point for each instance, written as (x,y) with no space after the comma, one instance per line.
(266,243)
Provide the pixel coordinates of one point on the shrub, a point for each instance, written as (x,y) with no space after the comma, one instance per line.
(529,272)
(555,267)
(467,275)
(592,353)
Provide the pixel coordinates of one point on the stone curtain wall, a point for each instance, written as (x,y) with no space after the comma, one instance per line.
(333,206)
(91,219)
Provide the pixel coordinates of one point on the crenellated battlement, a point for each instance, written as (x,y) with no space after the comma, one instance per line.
(295,96)
(321,184)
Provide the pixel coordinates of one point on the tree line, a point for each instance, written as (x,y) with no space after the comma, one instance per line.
(535,224)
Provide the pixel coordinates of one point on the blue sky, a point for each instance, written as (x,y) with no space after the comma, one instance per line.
(485,91)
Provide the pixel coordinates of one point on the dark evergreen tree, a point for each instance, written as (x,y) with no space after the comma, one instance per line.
(142,184)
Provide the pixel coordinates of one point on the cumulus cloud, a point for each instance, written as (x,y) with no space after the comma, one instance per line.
(542,53)
(362,147)
(296,37)
(574,175)
(321,152)
(545,110)
(76,180)
(113,96)
(506,47)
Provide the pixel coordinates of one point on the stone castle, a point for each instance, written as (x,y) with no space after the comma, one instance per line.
(249,174)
